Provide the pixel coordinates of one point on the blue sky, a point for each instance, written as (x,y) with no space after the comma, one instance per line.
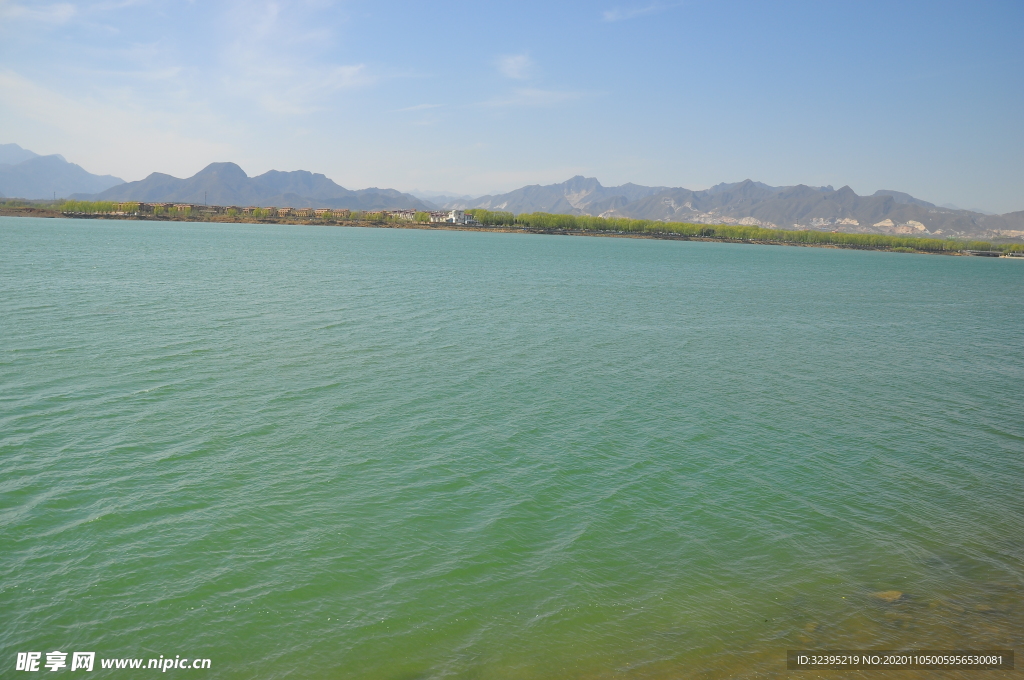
(477,97)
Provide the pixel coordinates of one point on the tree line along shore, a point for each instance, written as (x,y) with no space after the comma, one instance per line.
(526,222)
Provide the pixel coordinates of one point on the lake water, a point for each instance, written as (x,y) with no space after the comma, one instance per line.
(318,452)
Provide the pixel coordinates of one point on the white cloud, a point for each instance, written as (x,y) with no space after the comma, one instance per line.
(515,66)
(285,90)
(109,5)
(57,13)
(275,61)
(157,74)
(117,136)
(420,107)
(621,14)
(533,97)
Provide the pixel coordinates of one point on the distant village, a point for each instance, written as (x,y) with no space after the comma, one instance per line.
(133,208)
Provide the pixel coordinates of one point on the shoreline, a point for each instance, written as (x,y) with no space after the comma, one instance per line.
(665,236)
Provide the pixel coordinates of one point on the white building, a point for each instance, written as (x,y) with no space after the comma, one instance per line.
(453,217)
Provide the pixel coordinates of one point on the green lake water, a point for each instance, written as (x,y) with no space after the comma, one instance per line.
(316,452)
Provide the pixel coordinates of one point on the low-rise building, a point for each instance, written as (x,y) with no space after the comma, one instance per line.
(453,217)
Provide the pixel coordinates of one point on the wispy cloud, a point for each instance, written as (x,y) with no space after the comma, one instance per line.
(533,97)
(281,89)
(279,61)
(82,127)
(420,107)
(57,13)
(109,5)
(161,74)
(515,66)
(623,13)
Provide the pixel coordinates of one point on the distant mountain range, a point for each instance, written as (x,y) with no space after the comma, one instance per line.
(28,175)
(11,154)
(756,204)
(227,184)
(25,174)
(577,196)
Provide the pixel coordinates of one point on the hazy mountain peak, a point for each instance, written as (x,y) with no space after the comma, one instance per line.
(223,170)
(48,176)
(13,154)
(977,210)
(902,198)
(581,183)
(727,186)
